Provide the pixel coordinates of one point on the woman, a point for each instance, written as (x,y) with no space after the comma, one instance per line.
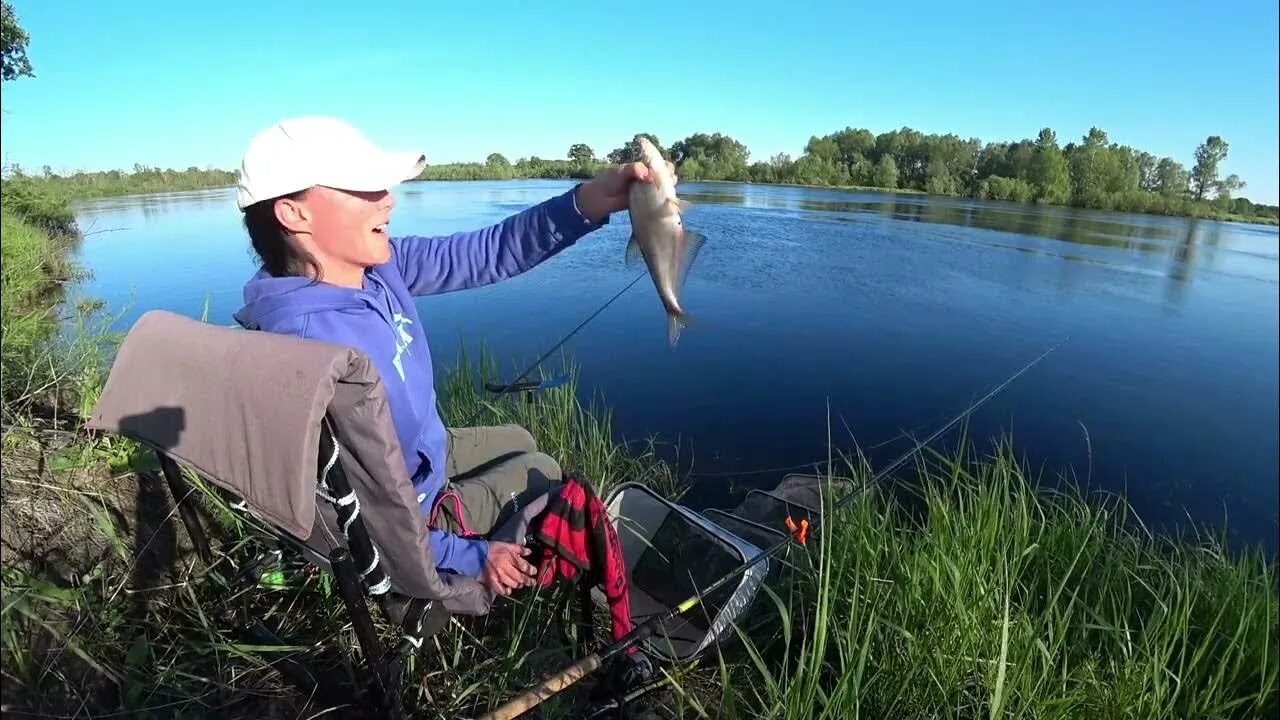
(315,196)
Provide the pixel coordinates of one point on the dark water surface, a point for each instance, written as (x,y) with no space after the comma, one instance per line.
(862,315)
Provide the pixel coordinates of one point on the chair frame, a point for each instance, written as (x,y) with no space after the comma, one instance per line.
(379,671)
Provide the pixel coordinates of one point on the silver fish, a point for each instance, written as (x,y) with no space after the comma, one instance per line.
(658,234)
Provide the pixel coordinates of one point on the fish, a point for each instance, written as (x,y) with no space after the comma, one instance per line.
(658,235)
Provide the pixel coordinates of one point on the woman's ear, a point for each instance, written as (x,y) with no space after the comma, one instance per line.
(294,215)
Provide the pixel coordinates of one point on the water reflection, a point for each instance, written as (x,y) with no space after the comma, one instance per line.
(727,195)
(889,310)
(161,203)
(1144,240)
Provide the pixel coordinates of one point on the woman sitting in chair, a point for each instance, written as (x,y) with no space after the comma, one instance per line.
(315,194)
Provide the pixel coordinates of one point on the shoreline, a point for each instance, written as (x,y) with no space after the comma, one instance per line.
(1240,219)
(59,186)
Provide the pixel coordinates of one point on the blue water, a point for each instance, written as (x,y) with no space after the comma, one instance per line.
(859,315)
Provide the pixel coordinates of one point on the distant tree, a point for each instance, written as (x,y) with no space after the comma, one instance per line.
(779,169)
(813,170)
(939,180)
(1093,169)
(1171,178)
(886,173)
(13,46)
(719,156)
(1147,178)
(497,160)
(1229,186)
(1050,178)
(822,148)
(626,153)
(1003,188)
(1021,158)
(581,153)
(854,145)
(1204,175)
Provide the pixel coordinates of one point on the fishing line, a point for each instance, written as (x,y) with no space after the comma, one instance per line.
(900,435)
(579,669)
(804,465)
(570,334)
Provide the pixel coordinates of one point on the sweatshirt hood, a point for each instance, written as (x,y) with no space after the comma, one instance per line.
(270,300)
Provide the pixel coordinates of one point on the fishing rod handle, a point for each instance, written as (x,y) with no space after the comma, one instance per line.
(522,704)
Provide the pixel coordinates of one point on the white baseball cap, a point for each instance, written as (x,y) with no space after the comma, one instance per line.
(298,153)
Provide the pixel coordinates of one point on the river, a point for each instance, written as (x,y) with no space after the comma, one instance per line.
(861,315)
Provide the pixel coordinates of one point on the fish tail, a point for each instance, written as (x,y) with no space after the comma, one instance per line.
(675,323)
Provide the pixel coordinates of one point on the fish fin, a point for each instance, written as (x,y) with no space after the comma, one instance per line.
(681,205)
(693,242)
(675,323)
(633,251)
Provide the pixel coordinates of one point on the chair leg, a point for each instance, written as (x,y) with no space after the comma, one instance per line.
(375,670)
(181,491)
(299,673)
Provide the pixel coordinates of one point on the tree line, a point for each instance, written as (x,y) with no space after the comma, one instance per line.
(1091,173)
(104,183)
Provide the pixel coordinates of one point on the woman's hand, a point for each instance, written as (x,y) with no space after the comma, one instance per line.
(607,192)
(506,569)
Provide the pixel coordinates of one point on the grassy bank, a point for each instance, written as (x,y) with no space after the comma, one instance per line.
(999,598)
(45,371)
(971,592)
(140,632)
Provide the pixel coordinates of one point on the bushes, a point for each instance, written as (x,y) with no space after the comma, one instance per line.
(43,371)
(1003,188)
(23,198)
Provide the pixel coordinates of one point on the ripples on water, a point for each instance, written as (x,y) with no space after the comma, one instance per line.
(863,314)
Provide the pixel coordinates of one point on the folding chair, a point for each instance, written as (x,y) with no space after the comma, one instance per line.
(276,422)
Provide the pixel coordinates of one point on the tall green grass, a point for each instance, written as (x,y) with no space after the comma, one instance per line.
(51,354)
(120,638)
(976,592)
(47,212)
(580,435)
(971,592)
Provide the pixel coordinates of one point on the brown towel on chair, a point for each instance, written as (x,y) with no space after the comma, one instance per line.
(243,408)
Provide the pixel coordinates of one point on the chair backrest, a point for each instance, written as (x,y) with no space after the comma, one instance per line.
(245,409)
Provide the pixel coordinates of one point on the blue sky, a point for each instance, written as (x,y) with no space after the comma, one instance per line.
(178,84)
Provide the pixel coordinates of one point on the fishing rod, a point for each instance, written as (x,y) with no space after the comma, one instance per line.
(589,664)
(507,387)
(500,389)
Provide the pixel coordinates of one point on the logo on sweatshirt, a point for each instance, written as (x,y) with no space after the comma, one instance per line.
(403,339)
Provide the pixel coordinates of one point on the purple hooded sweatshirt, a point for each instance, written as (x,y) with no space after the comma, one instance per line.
(380,320)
